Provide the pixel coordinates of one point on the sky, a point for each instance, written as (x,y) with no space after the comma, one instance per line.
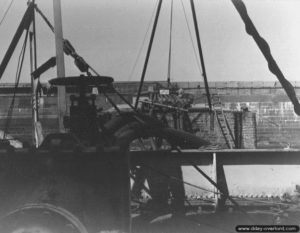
(109,34)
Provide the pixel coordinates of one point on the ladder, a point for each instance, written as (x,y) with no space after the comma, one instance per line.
(223,122)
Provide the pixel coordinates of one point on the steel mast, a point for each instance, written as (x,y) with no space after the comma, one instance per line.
(61,90)
(36,126)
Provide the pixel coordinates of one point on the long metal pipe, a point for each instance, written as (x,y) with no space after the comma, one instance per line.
(201,54)
(148,53)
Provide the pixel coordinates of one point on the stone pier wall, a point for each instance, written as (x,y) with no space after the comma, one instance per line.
(277,126)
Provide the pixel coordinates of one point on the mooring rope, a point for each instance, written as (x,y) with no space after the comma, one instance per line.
(266,51)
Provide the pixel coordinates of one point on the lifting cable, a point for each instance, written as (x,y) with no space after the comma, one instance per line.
(143,43)
(44,18)
(191,37)
(17,80)
(148,53)
(178,180)
(5,13)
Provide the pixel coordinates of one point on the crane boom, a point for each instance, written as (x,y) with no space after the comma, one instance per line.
(24,25)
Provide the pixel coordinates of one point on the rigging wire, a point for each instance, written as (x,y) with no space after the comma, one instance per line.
(3,4)
(17,80)
(178,179)
(5,13)
(66,42)
(44,18)
(191,37)
(148,53)
(143,43)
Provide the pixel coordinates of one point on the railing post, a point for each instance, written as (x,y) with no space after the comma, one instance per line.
(214,177)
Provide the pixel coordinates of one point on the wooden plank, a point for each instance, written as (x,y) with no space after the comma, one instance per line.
(225,157)
(184,158)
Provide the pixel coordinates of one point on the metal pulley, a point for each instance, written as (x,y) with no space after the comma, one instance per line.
(68,48)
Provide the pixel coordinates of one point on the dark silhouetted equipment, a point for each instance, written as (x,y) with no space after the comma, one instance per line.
(82,121)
